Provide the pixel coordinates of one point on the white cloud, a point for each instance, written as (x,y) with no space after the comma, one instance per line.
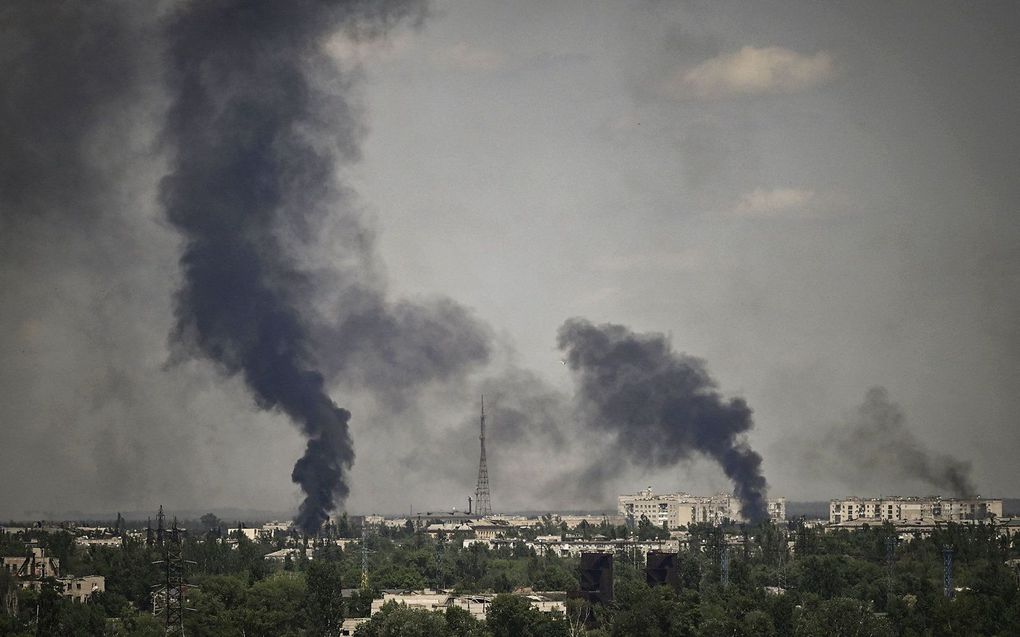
(778,202)
(468,57)
(751,71)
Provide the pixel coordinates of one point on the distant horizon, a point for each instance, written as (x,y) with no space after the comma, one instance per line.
(231,515)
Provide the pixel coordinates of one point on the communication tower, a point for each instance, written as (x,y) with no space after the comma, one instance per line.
(482,505)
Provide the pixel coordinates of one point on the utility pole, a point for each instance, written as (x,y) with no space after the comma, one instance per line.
(482,505)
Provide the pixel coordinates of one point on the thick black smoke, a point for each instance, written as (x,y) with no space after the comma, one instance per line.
(258,124)
(875,448)
(661,407)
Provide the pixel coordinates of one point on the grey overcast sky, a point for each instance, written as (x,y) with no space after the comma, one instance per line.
(815,198)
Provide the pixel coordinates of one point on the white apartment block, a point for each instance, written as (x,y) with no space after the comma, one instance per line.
(679,510)
(896,508)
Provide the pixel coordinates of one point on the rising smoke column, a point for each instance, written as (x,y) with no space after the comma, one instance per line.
(257,126)
(660,406)
(875,447)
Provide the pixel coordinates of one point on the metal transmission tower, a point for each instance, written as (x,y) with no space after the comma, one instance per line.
(947,569)
(168,600)
(364,555)
(890,557)
(482,505)
(781,563)
(724,567)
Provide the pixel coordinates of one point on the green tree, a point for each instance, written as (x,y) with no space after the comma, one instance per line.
(460,623)
(273,607)
(397,620)
(841,617)
(209,521)
(218,602)
(641,610)
(514,616)
(323,579)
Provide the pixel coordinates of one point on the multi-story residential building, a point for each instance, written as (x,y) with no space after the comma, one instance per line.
(679,510)
(896,508)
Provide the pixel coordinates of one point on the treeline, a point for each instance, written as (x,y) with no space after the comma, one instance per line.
(764,581)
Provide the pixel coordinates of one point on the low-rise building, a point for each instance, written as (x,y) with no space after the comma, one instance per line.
(34,565)
(276,526)
(477,605)
(681,510)
(80,589)
(490,528)
(283,554)
(350,625)
(449,529)
(112,542)
(575,547)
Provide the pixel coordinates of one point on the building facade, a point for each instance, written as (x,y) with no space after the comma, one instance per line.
(477,605)
(680,510)
(34,565)
(898,509)
(81,589)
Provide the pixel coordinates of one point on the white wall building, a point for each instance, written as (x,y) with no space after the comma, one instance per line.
(678,510)
(477,605)
(80,589)
(896,508)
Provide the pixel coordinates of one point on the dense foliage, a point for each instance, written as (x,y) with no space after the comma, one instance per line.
(801,582)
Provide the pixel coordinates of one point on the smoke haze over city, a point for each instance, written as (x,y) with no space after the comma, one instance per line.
(671,243)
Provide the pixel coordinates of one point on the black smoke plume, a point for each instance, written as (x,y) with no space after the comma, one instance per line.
(875,447)
(258,124)
(660,407)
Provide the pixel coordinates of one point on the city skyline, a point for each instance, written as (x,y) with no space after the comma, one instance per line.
(811,209)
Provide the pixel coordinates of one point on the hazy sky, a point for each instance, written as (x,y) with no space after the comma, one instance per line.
(814,199)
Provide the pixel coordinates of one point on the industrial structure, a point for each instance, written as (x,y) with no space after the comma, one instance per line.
(168,600)
(680,510)
(483,506)
(900,509)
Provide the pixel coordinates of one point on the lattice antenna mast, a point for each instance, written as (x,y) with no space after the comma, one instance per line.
(483,506)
